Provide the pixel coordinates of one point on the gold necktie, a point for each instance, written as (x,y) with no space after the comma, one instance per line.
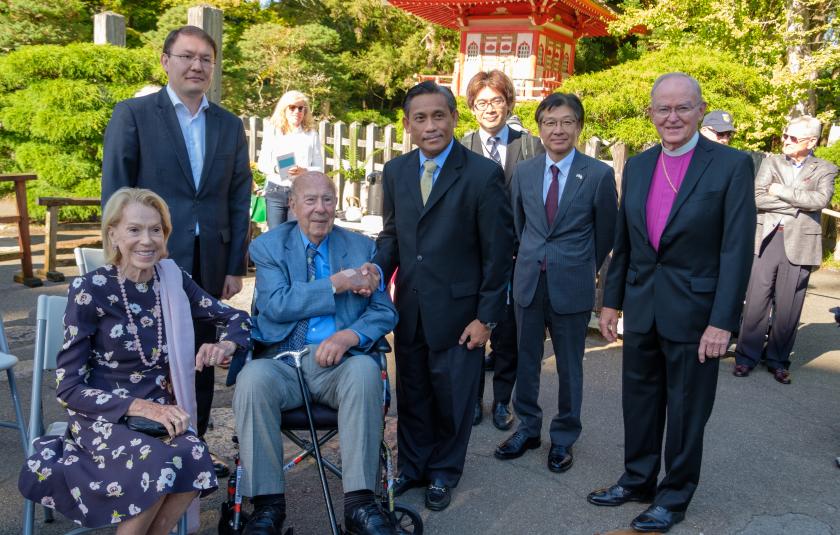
(429,167)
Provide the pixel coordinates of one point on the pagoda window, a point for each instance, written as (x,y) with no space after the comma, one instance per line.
(540,53)
(565,63)
(472,51)
(523,51)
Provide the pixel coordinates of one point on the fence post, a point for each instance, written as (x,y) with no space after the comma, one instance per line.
(209,19)
(619,154)
(339,128)
(593,147)
(252,136)
(388,151)
(322,136)
(109,29)
(354,157)
(406,142)
(371,134)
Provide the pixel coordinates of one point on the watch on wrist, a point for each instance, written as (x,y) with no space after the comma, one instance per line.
(489,324)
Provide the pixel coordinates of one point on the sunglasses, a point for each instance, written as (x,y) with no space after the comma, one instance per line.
(794,139)
(296,108)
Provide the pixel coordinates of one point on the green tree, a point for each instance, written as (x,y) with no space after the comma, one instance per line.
(29,22)
(615,111)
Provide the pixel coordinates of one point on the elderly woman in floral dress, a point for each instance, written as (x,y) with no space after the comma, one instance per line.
(129,351)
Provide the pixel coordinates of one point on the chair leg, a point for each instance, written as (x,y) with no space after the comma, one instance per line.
(18,410)
(28,517)
(182,524)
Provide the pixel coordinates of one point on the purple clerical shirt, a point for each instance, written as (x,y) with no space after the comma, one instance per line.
(661,196)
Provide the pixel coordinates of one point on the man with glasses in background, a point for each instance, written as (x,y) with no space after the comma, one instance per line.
(564,210)
(791,189)
(491,96)
(193,153)
(717,126)
(679,271)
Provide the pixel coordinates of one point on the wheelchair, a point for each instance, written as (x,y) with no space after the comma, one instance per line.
(314,417)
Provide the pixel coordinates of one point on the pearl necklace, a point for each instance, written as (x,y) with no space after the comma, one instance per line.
(132,328)
(668,178)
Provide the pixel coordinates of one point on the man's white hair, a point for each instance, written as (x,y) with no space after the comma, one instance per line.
(804,126)
(695,85)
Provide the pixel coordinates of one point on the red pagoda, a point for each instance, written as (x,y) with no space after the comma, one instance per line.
(532,41)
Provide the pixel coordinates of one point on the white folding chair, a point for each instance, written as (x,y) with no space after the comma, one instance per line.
(7,363)
(88,259)
(49,337)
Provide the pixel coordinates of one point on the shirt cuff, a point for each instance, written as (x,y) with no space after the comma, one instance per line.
(381,279)
(363,340)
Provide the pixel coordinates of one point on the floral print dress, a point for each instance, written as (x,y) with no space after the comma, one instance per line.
(101,472)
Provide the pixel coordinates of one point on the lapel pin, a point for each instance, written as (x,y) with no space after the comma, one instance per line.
(579,176)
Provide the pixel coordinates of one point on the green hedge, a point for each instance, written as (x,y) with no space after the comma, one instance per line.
(55,102)
(832,154)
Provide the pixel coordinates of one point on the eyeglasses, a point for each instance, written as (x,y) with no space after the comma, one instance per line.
(496,102)
(723,135)
(565,124)
(206,62)
(683,111)
(795,139)
(296,108)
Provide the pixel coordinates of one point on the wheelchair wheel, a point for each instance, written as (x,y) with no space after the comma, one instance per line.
(407,520)
(226,519)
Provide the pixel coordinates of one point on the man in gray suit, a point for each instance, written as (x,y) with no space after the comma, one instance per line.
(308,294)
(790,191)
(192,153)
(564,210)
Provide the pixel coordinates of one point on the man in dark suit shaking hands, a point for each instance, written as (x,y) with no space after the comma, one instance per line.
(447,227)
(564,210)
(192,153)
(681,260)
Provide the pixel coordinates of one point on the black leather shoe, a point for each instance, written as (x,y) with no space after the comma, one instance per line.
(403,483)
(516,445)
(560,458)
(490,362)
(477,414)
(219,466)
(741,370)
(502,418)
(266,520)
(780,374)
(368,519)
(617,495)
(438,496)
(657,519)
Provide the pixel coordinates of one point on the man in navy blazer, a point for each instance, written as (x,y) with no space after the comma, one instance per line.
(564,210)
(308,293)
(681,260)
(192,153)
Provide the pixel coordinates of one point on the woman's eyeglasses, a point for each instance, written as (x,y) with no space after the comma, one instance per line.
(294,109)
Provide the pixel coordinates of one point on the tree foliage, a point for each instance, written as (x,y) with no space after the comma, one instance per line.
(615,99)
(32,22)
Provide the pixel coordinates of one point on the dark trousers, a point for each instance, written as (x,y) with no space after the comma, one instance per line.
(660,378)
(436,392)
(568,336)
(205,380)
(276,204)
(503,340)
(777,285)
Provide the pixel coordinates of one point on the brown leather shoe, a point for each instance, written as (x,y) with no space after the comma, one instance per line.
(741,370)
(781,375)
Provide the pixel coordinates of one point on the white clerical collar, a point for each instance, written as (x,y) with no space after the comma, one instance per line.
(685,148)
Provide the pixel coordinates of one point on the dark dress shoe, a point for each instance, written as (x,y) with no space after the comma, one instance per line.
(266,520)
(516,445)
(368,519)
(438,496)
(490,362)
(502,418)
(741,370)
(403,483)
(781,375)
(617,495)
(477,414)
(657,519)
(219,467)
(560,458)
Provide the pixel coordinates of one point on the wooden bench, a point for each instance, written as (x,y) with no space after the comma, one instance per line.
(25,276)
(53,205)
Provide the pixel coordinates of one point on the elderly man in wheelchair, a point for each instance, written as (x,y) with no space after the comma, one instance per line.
(311,292)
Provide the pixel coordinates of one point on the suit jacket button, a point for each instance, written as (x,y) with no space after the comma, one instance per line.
(419,258)
(414,290)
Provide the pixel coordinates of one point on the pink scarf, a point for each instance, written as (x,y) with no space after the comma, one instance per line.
(180,340)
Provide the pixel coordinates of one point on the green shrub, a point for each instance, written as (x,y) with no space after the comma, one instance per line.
(832,154)
(368,116)
(55,103)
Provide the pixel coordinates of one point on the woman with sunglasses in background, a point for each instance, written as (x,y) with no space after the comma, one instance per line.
(289,130)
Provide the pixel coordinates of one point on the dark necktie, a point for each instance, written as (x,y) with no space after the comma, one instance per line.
(552,196)
(493,149)
(297,339)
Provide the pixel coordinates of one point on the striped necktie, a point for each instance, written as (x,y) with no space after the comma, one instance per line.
(297,339)
(493,149)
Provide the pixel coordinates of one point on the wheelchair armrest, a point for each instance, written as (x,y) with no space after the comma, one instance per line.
(382,346)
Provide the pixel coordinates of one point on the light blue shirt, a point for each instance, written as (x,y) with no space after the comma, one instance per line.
(563,165)
(440,159)
(193,128)
(322,327)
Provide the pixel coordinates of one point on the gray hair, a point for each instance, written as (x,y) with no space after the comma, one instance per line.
(695,85)
(810,126)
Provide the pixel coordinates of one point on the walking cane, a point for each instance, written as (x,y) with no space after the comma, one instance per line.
(304,391)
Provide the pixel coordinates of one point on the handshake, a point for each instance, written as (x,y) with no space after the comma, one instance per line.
(363,280)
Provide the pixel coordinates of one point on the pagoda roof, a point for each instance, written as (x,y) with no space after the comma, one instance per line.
(586,17)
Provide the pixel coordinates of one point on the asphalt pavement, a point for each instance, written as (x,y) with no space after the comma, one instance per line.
(769,464)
